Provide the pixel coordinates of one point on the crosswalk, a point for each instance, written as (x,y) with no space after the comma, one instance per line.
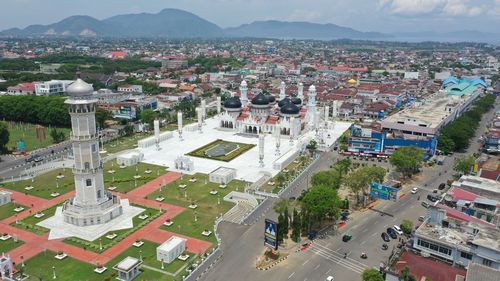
(338,258)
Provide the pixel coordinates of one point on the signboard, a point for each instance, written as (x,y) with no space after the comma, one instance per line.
(383,192)
(270,232)
(21,145)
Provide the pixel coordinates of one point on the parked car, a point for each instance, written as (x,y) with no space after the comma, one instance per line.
(425,204)
(385,247)
(442,186)
(421,218)
(329,278)
(385,237)
(414,190)
(392,233)
(432,198)
(346,237)
(398,230)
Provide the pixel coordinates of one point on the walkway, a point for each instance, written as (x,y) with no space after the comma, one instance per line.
(35,244)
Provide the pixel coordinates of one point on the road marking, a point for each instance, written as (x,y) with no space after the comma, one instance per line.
(291,275)
(305,279)
(375,233)
(363,242)
(317,266)
(385,226)
(338,249)
(328,271)
(394,219)
(305,262)
(364,230)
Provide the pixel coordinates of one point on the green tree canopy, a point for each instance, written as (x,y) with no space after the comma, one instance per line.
(371,274)
(321,202)
(359,180)
(407,160)
(407,226)
(147,117)
(463,164)
(331,178)
(101,116)
(4,136)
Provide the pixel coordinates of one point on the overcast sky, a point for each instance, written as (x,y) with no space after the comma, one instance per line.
(364,15)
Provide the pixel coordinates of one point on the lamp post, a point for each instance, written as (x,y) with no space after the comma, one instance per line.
(54,272)
(100,244)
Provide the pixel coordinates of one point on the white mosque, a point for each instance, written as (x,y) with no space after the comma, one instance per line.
(264,115)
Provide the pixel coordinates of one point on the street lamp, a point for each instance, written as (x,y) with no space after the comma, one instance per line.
(54,272)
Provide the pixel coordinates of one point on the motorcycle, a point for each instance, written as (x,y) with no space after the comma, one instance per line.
(364,256)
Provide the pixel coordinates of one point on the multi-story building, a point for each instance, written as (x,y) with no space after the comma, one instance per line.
(52,87)
(130,89)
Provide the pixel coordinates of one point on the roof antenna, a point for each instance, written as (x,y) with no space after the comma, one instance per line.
(78,73)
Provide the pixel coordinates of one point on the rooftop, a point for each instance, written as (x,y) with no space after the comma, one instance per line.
(171,243)
(477,272)
(127,264)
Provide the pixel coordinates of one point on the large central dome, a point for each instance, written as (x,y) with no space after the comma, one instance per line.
(79,88)
(232,102)
(260,99)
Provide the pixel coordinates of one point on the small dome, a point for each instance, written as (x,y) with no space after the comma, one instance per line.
(243,83)
(79,88)
(232,102)
(352,81)
(290,108)
(260,99)
(284,101)
(271,98)
(296,100)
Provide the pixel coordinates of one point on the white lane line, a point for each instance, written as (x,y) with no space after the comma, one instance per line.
(317,266)
(291,275)
(385,226)
(364,230)
(305,279)
(328,271)
(338,249)
(375,233)
(305,262)
(363,242)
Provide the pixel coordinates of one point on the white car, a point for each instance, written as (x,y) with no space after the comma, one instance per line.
(329,278)
(398,230)
(414,190)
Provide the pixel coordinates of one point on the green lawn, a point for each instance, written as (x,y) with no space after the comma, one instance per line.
(294,168)
(40,268)
(44,185)
(26,132)
(123,143)
(121,234)
(29,223)
(7,210)
(148,252)
(199,193)
(10,244)
(240,148)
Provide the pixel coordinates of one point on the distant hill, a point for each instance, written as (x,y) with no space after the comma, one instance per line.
(300,30)
(454,36)
(171,23)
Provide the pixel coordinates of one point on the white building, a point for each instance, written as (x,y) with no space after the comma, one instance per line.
(92,204)
(5,197)
(130,89)
(128,269)
(171,249)
(129,159)
(222,175)
(52,87)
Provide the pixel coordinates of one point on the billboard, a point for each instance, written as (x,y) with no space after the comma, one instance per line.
(381,191)
(270,234)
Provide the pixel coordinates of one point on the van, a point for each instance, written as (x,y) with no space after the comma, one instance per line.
(398,230)
(425,204)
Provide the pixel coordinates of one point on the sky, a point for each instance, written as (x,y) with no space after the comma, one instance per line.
(364,15)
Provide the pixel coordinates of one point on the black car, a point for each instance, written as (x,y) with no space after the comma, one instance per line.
(392,233)
(432,198)
(442,186)
(385,237)
(346,237)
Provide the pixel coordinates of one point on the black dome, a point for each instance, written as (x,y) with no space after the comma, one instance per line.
(284,101)
(290,108)
(296,101)
(271,98)
(232,102)
(260,99)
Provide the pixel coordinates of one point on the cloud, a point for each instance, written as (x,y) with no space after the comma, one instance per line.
(304,15)
(453,8)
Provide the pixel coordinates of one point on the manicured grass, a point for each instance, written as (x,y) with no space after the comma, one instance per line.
(202,151)
(121,234)
(44,185)
(27,133)
(148,253)
(123,143)
(40,268)
(199,193)
(294,168)
(123,178)
(29,223)
(10,244)
(7,210)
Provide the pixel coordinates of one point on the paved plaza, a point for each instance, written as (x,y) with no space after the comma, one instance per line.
(246,164)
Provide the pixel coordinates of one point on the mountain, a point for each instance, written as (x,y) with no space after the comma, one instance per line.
(300,30)
(170,23)
(453,36)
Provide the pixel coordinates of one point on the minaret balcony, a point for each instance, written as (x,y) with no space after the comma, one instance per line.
(87,171)
(83,137)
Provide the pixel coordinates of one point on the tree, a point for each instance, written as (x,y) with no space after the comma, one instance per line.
(371,274)
(330,178)
(446,144)
(101,116)
(407,226)
(280,179)
(281,206)
(359,180)
(281,233)
(4,136)
(128,130)
(57,135)
(321,202)
(147,117)
(407,160)
(312,146)
(286,223)
(406,275)
(296,223)
(464,164)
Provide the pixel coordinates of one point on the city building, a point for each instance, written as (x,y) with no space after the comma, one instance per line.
(52,87)
(171,249)
(92,204)
(128,269)
(457,242)
(173,63)
(222,175)
(127,88)
(5,197)
(22,89)
(128,109)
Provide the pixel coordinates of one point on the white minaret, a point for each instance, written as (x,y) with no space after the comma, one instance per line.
(282,90)
(244,93)
(261,150)
(300,93)
(179,123)
(219,101)
(311,99)
(203,110)
(156,125)
(200,118)
(292,129)
(277,136)
(327,113)
(92,204)
(335,109)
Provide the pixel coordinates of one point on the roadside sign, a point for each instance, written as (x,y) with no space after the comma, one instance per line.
(383,192)
(270,234)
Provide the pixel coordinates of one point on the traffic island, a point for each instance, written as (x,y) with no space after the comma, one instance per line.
(270,259)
